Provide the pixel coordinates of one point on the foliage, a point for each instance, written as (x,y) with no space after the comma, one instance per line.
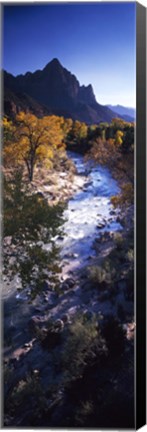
(113,146)
(118,137)
(97,274)
(101,151)
(126,196)
(30,222)
(83,346)
(114,335)
(32,140)
(83,412)
(25,393)
(67,125)
(104,274)
(118,240)
(128,139)
(77,137)
(78,131)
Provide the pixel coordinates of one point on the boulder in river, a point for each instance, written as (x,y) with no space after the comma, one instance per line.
(112,212)
(71,255)
(101,225)
(60,237)
(67,284)
(86,185)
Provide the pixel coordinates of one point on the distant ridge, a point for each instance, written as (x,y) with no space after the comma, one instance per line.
(126,112)
(53,90)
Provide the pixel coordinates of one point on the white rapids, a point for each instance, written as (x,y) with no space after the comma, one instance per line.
(88,213)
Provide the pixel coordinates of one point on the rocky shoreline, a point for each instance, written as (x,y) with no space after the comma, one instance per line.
(58,186)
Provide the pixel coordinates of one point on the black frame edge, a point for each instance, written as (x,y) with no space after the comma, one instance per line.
(141,216)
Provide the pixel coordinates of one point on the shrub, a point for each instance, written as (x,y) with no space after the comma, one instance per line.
(119,241)
(114,335)
(126,197)
(26,393)
(130,255)
(30,222)
(97,274)
(105,274)
(84,411)
(83,346)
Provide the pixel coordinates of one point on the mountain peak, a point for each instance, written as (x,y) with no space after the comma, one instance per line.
(59,91)
(54,62)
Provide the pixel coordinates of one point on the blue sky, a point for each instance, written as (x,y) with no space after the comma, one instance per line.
(95,41)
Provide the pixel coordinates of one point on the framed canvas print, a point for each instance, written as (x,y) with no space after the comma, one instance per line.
(73,117)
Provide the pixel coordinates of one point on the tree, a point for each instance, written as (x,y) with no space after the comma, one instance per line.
(66,126)
(32,140)
(128,139)
(79,131)
(29,224)
(119,137)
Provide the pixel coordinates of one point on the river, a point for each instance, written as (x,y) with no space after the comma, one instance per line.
(88,214)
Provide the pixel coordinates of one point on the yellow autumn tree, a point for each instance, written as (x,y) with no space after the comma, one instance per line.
(32,140)
(79,130)
(66,125)
(119,137)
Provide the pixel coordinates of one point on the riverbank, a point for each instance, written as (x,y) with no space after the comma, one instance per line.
(37,331)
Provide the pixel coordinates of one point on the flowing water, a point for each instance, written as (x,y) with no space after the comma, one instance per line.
(88,213)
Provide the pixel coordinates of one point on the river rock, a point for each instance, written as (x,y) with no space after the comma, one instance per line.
(73,310)
(7,240)
(51,298)
(101,225)
(63,174)
(71,255)
(60,237)
(65,318)
(68,283)
(130,330)
(59,325)
(64,286)
(89,257)
(86,185)
(75,255)
(28,345)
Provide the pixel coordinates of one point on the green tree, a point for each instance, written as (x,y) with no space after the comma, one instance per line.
(29,224)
